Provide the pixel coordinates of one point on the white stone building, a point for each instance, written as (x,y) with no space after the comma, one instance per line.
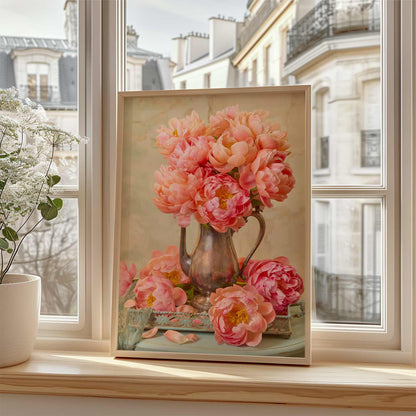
(262,42)
(334,46)
(204,60)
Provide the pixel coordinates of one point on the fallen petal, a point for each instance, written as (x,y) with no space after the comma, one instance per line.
(150,333)
(178,338)
(131,303)
(191,338)
(186,308)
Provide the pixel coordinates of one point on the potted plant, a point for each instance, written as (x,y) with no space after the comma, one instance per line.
(28,144)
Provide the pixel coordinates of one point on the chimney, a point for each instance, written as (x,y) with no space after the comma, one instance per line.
(197,45)
(222,35)
(131,36)
(71,22)
(178,54)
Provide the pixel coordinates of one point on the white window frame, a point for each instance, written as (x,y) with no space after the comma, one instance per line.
(394,342)
(85,331)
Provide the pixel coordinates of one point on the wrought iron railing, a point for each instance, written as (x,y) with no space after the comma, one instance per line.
(324,153)
(345,298)
(370,148)
(43,94)
(332,18)
(252,23)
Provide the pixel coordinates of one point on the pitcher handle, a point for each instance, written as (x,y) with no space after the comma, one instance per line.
(262,223)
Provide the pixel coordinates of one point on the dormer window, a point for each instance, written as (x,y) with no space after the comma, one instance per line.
(38,82)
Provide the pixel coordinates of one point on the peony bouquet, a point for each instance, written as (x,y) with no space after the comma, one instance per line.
(219,172)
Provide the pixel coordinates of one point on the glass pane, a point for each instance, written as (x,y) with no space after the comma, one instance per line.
(167,47)
(38,56)
(347,249)
(51,252)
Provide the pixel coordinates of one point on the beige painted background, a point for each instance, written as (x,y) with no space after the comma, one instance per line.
(144,228)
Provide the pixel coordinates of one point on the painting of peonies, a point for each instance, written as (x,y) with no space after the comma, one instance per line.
(212,252)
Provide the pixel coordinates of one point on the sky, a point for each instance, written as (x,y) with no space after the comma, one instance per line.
(156,21)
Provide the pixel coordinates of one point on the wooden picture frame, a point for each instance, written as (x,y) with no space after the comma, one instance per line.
(141,228)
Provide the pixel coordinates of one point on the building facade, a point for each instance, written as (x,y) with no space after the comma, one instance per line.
(204,60)
(334,46)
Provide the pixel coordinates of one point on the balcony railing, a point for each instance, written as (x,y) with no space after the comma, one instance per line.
(331,18)
(370,148)
(252,23)
(324,153)
(344,298)
(43,94)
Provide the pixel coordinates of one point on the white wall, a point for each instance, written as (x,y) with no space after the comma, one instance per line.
(19,405)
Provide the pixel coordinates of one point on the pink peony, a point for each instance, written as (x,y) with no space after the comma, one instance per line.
(190,154)
(270,175)
(227,153)
(239,315)
(179,130)
(222,203)
(176,190)
(276,280)
(126,277)
(157,292)
(221,120)
(166,263)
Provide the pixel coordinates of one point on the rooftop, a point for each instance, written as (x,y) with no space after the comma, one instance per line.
(27,42)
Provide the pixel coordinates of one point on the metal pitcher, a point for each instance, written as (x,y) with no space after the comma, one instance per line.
(214,262)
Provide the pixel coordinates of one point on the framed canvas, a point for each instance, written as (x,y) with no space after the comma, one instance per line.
(212,233)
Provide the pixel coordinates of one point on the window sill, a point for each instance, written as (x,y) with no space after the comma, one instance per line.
(368,386)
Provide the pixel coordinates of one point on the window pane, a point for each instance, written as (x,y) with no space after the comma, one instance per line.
(333,45)
(51,252)
(39,57)
(347,249)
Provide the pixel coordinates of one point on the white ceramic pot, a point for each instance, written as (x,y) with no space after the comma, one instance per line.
(19,317)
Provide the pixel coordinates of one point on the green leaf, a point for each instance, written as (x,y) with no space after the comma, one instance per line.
(58,203)
(256,203)
(53,180)
(49,212)
(190,293)
(43,205)
(10,234)
(10,251)
(4,244)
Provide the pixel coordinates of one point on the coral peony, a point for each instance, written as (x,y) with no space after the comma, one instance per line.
(227,153)
(126,277)
(272,178)
(239,315)
(168,264)
(159,293)
(179,130)
(276,280)
(222,203)
(176,190)
(190,154)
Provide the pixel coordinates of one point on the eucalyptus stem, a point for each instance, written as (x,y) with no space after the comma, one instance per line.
(15,251)
(40,191)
